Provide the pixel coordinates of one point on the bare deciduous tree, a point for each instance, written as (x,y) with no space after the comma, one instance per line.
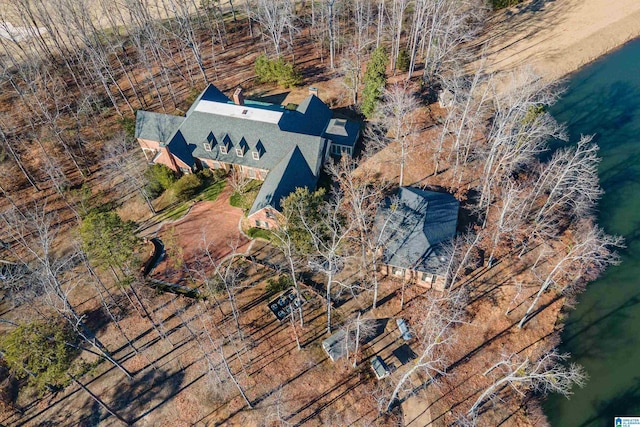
(397,109)
(545,375)
(589,252)
(435,334)
(329,235)
(276,18)
(35,233)
(364,197)
(118,155)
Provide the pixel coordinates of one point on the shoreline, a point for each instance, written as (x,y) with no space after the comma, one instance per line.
(557,39)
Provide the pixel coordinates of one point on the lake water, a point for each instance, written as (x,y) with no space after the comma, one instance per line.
(603,333)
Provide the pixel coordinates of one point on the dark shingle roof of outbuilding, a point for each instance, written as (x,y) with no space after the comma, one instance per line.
(156,126)
(421,222)
(291,173)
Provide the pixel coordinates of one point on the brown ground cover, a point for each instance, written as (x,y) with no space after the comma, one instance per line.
(172,382)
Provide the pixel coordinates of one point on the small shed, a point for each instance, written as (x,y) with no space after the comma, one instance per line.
(404,329)
(379,367)
(335,345)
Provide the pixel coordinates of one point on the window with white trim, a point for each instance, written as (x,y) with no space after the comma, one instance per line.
(239,152)
(207,146)
(255,155)
(397,271)
(223,149)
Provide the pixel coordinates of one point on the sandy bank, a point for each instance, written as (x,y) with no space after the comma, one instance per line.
(558,37)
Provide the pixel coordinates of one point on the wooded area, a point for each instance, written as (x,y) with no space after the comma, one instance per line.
(86,333)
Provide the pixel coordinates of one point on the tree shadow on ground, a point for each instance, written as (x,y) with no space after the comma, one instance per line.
(379,327)
(97,320)
(93,417)
(151,389)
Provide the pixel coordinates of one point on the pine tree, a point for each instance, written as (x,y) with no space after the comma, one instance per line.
(108,240)
(374,81)
(41,352)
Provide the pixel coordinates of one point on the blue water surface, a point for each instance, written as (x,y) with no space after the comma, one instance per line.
(603,333)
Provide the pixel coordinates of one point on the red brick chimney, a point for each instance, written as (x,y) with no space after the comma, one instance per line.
(238,97)
(313,91)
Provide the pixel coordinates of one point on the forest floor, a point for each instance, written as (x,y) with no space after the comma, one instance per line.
(172,378)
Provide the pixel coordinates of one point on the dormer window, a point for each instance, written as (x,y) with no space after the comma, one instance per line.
(259,151)
(242,148)
(207,146)
(225,145)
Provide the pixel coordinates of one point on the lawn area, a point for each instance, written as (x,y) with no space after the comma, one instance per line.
(244,200)
(174,213)
(260,233)
(209,193)
(212,192)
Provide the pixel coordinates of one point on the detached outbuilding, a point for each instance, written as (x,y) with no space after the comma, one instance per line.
(415,226)
(336,345)
(379,367)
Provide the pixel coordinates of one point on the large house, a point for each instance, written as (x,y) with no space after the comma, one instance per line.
(415,226)
(284,147)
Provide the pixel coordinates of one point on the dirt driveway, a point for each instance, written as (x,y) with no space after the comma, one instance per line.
(214,224)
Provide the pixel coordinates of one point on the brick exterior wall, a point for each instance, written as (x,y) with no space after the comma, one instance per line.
(247,171)
(434,281)
(147,144)
(265,218)
(151,148)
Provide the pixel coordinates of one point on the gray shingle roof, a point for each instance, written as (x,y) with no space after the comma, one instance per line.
(342,132)
(156,126)
(421,222)
(335,345)
(379,367)
(200,127)
(290,144)
(292,172)
(310,118)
